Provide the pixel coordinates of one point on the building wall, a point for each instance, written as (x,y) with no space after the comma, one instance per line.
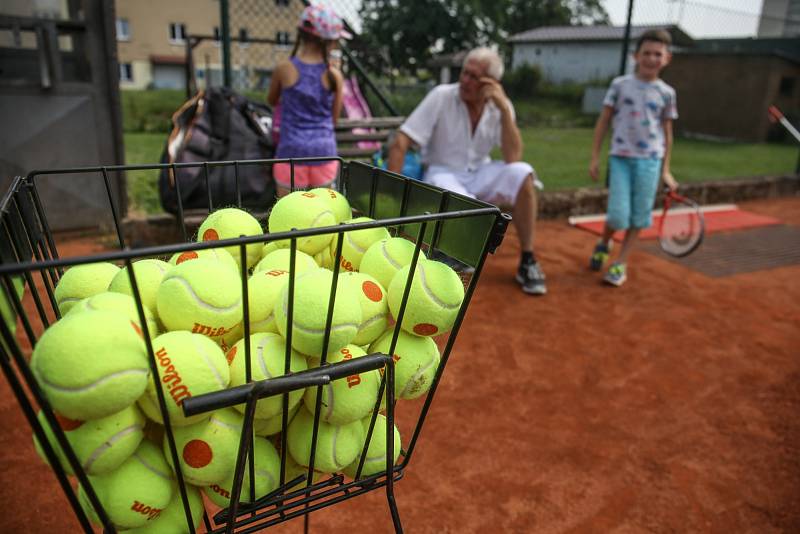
(572,62)
(779,18)
(728,96)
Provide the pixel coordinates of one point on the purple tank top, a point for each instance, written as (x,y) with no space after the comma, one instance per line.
(306,115)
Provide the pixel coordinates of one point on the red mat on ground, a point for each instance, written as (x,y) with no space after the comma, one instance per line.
(717,219)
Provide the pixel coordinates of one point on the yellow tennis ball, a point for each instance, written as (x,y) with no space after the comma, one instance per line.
(117,302)
(324,258)
(374,306)
(274,424)
(229,223)
(337,446)
(135,493)
(264,290)
(202,296)
(149,274)
(384,258)
(267,465)
(267,360)
(173,519)
(347,399)
(207,450)
(188,365)
(83,281)
(416,360)
(301,210)
(434,300)
(337,203)
(375,461)
(91,364)
(310,312)
(281,259)
(218,254)
(356,243)
(100,445)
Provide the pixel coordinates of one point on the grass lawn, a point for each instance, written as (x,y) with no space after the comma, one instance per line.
(560,156)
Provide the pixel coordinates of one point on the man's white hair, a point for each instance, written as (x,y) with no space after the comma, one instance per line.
(488,57)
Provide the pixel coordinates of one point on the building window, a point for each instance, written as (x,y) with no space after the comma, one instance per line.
(125,72)
(177,32)
(282,39)
(123,30)
(786,87)
(282,3)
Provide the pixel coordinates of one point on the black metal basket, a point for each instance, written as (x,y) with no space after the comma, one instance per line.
(441,223)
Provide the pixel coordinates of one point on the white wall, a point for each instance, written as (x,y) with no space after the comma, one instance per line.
(572,62)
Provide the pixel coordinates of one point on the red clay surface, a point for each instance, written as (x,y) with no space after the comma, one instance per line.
(670,404)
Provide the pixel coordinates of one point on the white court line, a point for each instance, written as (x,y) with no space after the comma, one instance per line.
(579,219)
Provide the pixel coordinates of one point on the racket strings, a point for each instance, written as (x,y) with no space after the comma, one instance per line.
(681,230)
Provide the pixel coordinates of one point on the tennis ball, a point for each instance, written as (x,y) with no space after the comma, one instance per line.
(117,302)
(274,424)
(281,259)
(337,203)
(173,519)
(375,461)
(188,365)
(149,274)
(337,446)
(218,254)
(383,259)
(229,339)
(207,450)
(135,493)
(324,258)
(416,360)
(229,223)
(347,399)
(83,281)
(301,210)
(267,465)
(263,290)
(202,296)
(434,300)
(356,243)
(100,445)
(374,306)
(311,299)
(91,364)
(267,360)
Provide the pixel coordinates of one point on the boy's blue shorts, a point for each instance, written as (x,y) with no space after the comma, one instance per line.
(632,184)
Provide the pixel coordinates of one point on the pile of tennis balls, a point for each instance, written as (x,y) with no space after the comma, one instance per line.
(92,364)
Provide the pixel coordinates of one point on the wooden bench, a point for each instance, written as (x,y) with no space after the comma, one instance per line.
(347,141)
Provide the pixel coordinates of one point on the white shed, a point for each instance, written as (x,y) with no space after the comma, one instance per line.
(581,54)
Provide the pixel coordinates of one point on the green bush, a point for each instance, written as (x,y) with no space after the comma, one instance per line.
(150,110)
(523,82)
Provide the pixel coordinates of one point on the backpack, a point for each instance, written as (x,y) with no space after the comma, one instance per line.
(218,125)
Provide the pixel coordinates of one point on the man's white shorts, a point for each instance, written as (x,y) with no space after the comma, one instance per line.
(496,182)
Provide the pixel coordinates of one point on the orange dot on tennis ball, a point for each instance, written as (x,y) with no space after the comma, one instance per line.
(197,453)
(372,291)
(210,235)
(66,423)
(231,355)
(191,255)
(425,329)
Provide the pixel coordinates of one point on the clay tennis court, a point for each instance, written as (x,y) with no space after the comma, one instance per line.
(670,404)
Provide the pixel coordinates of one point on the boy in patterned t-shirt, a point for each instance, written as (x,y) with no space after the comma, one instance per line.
(640,108)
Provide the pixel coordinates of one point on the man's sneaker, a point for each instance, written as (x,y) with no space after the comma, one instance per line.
(531,277)
(599,256)
(616,275)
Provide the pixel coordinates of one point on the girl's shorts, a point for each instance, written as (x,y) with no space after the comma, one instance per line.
(306,175)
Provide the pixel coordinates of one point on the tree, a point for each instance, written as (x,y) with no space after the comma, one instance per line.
(410,32)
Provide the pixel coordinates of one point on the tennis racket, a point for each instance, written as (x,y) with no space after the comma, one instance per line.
(682,227)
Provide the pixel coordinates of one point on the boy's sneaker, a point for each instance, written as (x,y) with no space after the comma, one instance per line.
(599,256)
(616,275)
(531,277)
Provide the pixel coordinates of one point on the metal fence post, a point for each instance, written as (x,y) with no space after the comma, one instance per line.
(624,61)
(226,42)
